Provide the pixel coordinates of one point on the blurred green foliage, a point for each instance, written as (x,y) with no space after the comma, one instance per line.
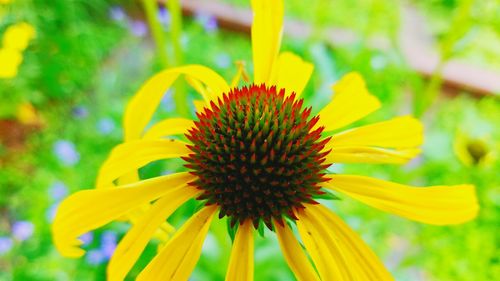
(88,59)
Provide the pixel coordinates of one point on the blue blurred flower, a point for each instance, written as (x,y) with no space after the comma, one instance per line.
(80,112)
(95,257)
(58,190)
(117,13)
(164,16)
(223,60)
(5,245)
(138,28)
(378,62)
(208,22)
(22,230)
(105,126)
(87,238)
(51,212)
(166,172)
(167,102)
(108,243)
(66,152)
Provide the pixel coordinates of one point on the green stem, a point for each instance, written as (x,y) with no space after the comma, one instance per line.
(460,25)
(151,8)
(180,94)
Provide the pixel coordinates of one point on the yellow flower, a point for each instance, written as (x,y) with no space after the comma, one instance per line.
(18,36)
(15,40)
(5,1)
(9,62)
(257,157)
(26,114)
(473,151)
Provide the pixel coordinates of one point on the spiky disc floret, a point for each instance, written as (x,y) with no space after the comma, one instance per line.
(256,155)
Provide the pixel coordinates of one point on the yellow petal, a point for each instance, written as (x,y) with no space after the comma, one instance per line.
(351,102)
(362,262)
(17,36)
(294,255)
(332,264)
(267,29)
(177,259)
(373,155)
(89,209)
(199,105)
(128,157)
(241,262)
(198,87)
(291,73)
(142,106)
(438,205)
(131,246)
(169,127)
(399,132)
(10,60)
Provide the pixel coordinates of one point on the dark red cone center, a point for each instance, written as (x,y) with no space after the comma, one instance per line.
(256,155)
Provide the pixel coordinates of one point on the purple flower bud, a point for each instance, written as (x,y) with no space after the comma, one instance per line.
(58,190)
(223,60)
(80,112)
(209,22)
(117,14)
(22,230)
(95,257)
(108,243)
(106,126)
(66,152)
(51,212)
(138,28)
(87,238)
(6,244)
(164,16)
(167,101)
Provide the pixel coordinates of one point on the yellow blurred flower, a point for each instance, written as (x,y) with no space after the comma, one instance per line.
(15,40)
(9,62)
(18,36)
(26,114)
(473,151)
(5,1)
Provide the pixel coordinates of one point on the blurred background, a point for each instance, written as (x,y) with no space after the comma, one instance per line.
(68,68)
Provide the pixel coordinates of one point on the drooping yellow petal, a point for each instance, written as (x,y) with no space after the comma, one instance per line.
(128,157)
(363,264)
(178,258)
(241,262)
(267,29)
(89,209)
(399,132)
(168,127)
(131,246)
(438,205)
(199,87)
(142,106)
(291,73)
(332,264)
(351,102)
(373,155)
(294,255)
